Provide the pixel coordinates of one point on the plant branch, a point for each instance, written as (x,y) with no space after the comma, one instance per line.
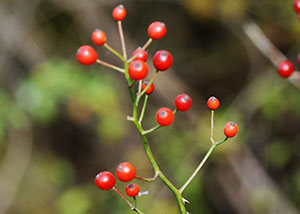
(145,132)
(112,50)
(122,39)
(143,109)
(148,179)
(121,70)
(126,200)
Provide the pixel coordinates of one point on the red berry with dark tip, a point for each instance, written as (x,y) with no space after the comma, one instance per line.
(164,116)
(297,6)
(105,180)
(138,70)
(183,102)
(230,129)
(125,171)
(132,190)
(119,12)
(157,30)
(86,55)
(285,68)
(142,56)
(213,103)
(150,89)
(162,60)
(99,37)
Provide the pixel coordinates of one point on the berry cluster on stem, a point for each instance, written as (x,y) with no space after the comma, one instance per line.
(135,70)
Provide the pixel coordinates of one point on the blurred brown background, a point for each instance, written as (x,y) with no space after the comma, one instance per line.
(61,122)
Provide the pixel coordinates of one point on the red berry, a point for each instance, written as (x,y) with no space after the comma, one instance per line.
(157,30)
(213,103)
(183,102)
(298,59)
(150,89)
(125,172)
(138,69)
(86,55)
(105,180)
(99,37)
(164,116)
(230,129)
(285,68)
(132,190)
(119,12)
(297,6)
(142,56)
(162,60)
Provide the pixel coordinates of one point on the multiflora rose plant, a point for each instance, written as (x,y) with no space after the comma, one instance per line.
(135,70)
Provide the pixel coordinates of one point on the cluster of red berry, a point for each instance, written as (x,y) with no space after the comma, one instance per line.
(136,69)
(125,172)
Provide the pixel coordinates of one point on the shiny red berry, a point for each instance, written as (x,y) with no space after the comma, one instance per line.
(119,12)
(142,56)
(132,190)
(297,6)
(285,68)
(183,102)
(99,37)
(86,55)
(105,180)
(150,89)
(157,30)
(230,129)
(162,60)
(138,69)
(164,116)
(125,171)
(213,103)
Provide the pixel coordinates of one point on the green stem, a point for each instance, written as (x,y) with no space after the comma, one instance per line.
(121,70)
(143,109)
(145,132)
(223,141)
(140,51)
(198,168)
(139,96)
(114,52)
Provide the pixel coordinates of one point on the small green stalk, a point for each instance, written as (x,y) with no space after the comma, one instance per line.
(143,109)
(121,70)
(114,52)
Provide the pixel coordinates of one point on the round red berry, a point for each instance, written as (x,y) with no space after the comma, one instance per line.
(183,102)
(157,30)
(230,129)
(99,37)
(213,103)
(162,60)
(119,12)
(86,55)
(297,6)
(105,180)
(150,89)
(132,190)
(138,69)
(164,116)
(285,68)
(142,56)
(125,172)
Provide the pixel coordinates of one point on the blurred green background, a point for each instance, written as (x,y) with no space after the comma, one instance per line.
(61,123)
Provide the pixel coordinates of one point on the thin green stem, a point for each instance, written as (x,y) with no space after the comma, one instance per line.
(122,39)
(139,95)
(212,127)
(140,86)
(147,179)
(143,109)
(198,168)
(126,200)
(114,52)
(145,132)
(223,141)
(121,70)
(140,51)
